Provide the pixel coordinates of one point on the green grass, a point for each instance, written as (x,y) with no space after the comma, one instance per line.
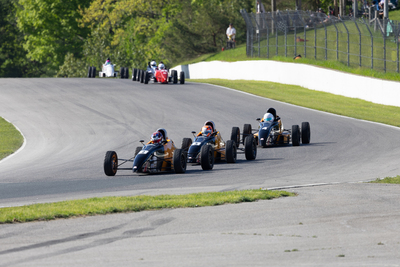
(10,138)
(107,205)
(327,102)
(388,180)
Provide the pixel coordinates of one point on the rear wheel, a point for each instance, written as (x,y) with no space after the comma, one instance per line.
(89,72)
(126,73)
(174,76)
(186,143)
(142,76)
(139,74)
(230,151)
(250,147)
(110,163)
(179,161)
(146,78)
(121,72)
(207,157)
(235,135)
(134,72)
(305,132)
(246,131)
(182,77)
(295,135)
(93,72)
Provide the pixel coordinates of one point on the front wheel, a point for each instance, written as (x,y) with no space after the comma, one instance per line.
(207,157)
(89,72)
(179,161)
(182,77)
(110,163)
(250,147)
(146,78)
(230,151)
(175,76)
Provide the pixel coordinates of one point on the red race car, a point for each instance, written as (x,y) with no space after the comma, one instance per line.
(161,75)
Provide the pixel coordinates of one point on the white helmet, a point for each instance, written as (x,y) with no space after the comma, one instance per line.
(161,66)
(153,64)
(268,117)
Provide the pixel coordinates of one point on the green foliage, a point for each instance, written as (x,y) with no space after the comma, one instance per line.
(13,61)
(92,206)
(51,29)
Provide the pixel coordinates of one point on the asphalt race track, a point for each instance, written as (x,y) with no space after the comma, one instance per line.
(69,124)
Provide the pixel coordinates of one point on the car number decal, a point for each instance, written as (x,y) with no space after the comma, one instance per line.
(196,144)
(143,152)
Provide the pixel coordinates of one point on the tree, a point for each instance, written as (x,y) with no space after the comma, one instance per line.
(51,29)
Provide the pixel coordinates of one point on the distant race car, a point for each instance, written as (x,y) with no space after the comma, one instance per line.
(271,131)
(208,147)
(150,158)
(108,70)
(153,73)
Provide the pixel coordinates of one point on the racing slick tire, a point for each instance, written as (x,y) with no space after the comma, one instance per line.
(121,72)
(230,151)
(246,131)
(305,132)
(93,72)
(295,135)
(110,163)
(142,76)
(179,160)
(137,150)
(174,76)
(89,75)
(207,157)
(134,74)
(186,143)
(146,77)
(138,75)
(182,77)
(250,147)
(235,135)
(263,142)
(126,73)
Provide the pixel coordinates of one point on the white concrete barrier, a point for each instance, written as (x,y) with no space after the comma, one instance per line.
(310,77)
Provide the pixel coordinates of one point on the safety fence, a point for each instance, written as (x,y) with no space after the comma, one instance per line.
(370,43)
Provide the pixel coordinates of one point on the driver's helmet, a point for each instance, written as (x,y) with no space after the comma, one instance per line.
(156,137)
(108,61)
(161,66)
(153,64)
(206,131)
(268,117)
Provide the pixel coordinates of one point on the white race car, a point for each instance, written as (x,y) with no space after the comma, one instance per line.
(108,71)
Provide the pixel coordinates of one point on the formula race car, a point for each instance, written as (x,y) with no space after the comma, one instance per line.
(157,74)
(271,131)
(158,155)
(209,147)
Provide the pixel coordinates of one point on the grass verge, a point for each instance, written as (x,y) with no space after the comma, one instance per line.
(10,138)
(351,107)
(107,205)
(388,180)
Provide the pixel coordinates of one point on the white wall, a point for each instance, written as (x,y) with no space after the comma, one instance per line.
(311,77)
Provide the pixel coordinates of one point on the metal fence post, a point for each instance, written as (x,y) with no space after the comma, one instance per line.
(359,43)
(372,44)
(348,44)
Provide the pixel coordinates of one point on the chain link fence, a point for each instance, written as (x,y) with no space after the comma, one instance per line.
(369,43)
